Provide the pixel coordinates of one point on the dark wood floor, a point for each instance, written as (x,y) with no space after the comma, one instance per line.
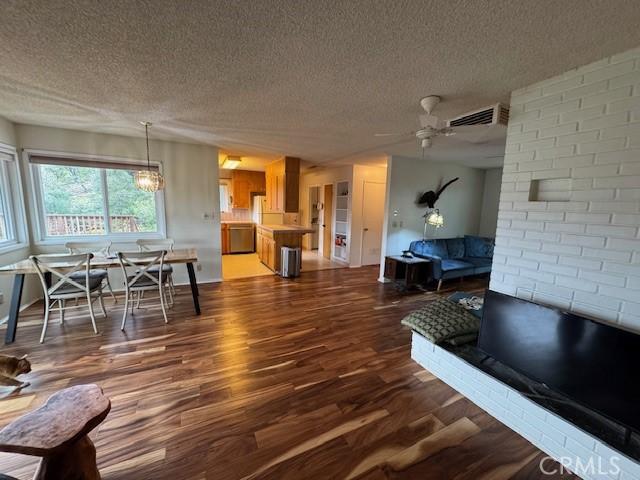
(303,379)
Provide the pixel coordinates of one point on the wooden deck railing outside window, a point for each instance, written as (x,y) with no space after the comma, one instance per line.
(60,224)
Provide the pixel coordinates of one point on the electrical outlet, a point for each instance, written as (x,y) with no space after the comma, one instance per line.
(198,267)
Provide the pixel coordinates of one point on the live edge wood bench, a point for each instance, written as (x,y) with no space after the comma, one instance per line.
(57,432)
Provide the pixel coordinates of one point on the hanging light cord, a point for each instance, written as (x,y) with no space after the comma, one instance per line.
(146,132)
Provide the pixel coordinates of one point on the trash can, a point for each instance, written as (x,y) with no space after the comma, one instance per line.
(291,260)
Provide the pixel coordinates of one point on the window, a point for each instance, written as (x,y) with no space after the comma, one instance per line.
(225,204)
(92,198)
(8,177)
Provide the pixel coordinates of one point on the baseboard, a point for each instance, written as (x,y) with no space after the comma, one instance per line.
(187,284)
(5,319)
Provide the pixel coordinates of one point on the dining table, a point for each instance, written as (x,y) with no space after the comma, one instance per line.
(24,267)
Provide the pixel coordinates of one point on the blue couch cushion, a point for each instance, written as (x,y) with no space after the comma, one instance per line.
(455,247)
(436,248)
(478,261)
(478,246)
(455,265)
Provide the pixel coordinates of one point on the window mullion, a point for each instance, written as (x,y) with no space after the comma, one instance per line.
(7,205)
(105,202)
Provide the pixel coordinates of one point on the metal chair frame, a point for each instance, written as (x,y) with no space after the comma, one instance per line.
(168,244)
(142,262)
(61,277)
(102,248)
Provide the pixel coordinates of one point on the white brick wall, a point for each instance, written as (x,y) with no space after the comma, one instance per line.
(583,254)
(550,433)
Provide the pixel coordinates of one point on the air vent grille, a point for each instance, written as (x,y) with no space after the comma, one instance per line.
(503,115)
(495,114)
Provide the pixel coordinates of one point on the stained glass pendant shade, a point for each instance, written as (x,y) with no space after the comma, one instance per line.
(148,180)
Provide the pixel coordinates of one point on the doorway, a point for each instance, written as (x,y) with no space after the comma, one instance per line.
(373,198)
(314,217)
(327,221)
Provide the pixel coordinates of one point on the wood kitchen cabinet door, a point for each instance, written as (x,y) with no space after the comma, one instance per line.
(241,193)
(283,185)
(269,252)
(226,248)
(258,183)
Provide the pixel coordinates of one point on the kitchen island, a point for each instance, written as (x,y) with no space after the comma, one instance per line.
(271,238)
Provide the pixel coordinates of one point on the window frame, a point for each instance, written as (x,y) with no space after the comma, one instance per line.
(227,184)
(13,200)
(121,237)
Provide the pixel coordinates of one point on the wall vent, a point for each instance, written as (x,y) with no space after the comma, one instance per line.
(495,114)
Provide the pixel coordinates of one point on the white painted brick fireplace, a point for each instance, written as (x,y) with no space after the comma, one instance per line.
(570,203)
(578,451)
(568,234)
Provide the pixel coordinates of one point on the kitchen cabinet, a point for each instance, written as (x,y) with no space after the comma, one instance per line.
(283,185)
(266,248)
(226,247)
(271,239)
(244,183)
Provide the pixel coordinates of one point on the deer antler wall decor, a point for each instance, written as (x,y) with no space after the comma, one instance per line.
(430,198)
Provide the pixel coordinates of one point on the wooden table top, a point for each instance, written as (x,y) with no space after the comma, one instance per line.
(183,255)
(400,258)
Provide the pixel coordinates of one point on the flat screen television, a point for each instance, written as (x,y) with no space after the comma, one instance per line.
(594,364)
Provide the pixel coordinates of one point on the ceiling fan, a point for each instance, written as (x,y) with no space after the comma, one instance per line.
(433,127)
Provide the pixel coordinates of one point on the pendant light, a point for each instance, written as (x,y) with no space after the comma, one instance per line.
(148,180)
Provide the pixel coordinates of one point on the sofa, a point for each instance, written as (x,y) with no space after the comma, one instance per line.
(455,257)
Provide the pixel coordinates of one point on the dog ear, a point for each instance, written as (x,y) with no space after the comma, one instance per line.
(23,357)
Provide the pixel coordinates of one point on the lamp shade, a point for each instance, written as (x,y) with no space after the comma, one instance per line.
(149,180)
(435,219)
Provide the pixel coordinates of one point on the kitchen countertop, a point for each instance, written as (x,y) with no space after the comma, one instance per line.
(286,228)
(237,222)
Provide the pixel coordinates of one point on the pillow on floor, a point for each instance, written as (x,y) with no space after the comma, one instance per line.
(442,320)
(462,339)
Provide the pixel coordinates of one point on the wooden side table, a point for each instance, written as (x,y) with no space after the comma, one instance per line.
(407,272)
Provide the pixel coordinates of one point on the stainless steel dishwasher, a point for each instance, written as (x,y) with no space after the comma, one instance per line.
(241,238)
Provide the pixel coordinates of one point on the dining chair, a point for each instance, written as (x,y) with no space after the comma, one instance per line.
(65,284)
(147,244)
(103,248)
(148,275)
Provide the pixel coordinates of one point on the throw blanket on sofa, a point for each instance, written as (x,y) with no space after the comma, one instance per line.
(443,321)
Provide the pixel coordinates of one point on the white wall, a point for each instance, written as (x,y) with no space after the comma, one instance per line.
(581,132)
(31,290)
(460,204)
(361,174)
(490,200)
(7,132)
(191,174)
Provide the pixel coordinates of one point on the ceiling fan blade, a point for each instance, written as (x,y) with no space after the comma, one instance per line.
(392,134)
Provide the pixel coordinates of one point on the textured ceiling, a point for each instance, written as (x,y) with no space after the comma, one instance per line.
(313,79)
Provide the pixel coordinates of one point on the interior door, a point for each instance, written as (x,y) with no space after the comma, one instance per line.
(372,220)
(327,221)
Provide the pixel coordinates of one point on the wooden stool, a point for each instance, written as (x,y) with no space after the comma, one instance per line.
(57,432)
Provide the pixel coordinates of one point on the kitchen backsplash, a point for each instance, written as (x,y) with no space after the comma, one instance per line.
(242,214)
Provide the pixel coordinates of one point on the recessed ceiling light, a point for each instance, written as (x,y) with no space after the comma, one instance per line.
(231,162)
